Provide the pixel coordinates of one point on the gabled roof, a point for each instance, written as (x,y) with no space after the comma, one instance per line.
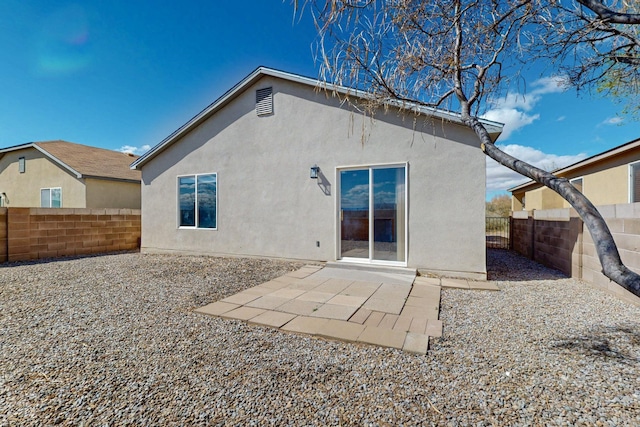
(84,161)
(615,151)
(494,128)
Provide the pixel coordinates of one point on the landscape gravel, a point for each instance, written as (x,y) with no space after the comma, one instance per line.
(112,340)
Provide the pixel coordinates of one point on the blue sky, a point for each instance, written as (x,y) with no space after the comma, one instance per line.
(123,75)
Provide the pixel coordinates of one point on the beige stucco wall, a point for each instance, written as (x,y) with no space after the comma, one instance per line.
(533,200)
(23,189)
(542,198)
(605,182)
(103,193)
(517,201)
(268,205)
(607,186)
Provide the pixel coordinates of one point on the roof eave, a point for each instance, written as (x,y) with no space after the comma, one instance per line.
(16,147)
(523,186)
(45,152)
(620,149)
(57,160)
(111,178)
(494,128)
(196,120)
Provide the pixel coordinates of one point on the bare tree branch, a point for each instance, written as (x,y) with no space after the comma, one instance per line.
(458,53)
(610,15)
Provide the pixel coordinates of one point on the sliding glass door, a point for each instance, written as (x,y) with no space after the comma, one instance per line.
(372,213)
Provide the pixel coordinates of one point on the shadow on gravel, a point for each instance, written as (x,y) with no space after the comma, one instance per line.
(64,258)
(620,343)
(505,265)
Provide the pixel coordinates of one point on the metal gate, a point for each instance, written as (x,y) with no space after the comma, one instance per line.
(497,232)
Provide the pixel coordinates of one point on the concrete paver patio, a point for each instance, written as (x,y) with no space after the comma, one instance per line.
(385,307)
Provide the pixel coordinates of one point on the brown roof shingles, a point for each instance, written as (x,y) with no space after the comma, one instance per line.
(92,161)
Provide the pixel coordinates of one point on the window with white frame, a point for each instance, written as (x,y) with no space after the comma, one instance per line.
(21,165)
(577,183)
(51,197)
(197,201)
(634,182)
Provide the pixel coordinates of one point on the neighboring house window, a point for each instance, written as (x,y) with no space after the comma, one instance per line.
(577,183)
(197,199)
(21,165)
(634,182)
(51,197)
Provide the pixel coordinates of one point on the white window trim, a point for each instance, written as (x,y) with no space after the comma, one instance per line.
(577,178)
(22,165)
(630,181)
(186,227)
(50,198)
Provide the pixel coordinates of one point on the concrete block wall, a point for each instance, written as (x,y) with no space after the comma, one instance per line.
(521,237)
(556,242)
(560,240)
(3,234)
(34,233)
(624,223)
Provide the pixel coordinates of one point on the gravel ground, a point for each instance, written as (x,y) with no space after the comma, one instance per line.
(111,340)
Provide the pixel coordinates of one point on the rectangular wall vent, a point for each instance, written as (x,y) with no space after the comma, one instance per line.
(264,101)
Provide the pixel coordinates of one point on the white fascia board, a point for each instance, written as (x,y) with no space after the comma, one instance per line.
(16,147)
(58,161)
(43,151)
(522,186)
(197,119)
(494,128)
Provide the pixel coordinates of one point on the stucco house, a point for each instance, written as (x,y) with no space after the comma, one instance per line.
(280,167)
(61,174)
(608,178)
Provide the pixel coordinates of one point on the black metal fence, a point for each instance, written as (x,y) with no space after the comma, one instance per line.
(497,232)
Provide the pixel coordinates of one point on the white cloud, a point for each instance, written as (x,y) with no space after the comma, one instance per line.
(512,119)
(357,197)
(553,84)
(134,150)
(612,121)
(561,119)
(501,178)
(514,109)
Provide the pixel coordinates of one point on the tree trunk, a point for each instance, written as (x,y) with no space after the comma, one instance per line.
(606,248)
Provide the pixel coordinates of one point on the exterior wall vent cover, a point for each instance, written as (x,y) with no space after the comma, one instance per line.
(264,101)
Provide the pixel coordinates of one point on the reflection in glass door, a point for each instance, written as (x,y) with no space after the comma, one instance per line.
(388,214)
(372,214)
(354,213)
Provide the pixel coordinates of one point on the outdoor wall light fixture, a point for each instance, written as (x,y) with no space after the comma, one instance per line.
(313,173)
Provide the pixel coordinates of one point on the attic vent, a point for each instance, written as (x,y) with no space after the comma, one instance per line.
(264,101)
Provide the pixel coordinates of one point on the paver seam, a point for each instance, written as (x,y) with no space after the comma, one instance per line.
(414,343)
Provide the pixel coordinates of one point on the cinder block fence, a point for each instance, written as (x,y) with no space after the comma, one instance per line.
(35,233)
(558,238)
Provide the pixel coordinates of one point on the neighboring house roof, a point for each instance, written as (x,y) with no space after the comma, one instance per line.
(494,128)
(615,151)
(84,161)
